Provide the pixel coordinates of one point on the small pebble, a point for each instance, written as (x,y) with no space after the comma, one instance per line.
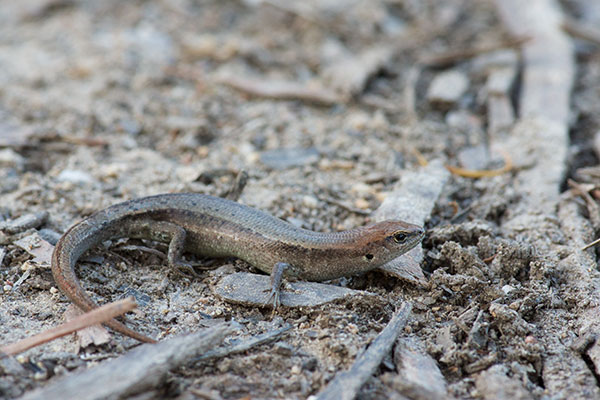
(507,289)
(112,170)
(310,202)
(311,364)
(283,348)
(75,176)
(188,173)
(379,121)
(297,222)
(290,157)
(361,203)
(360,187)
(358,121)
(447,88)
(530,339)
(10,158)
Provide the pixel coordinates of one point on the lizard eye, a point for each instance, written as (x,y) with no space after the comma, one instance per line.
(400,237)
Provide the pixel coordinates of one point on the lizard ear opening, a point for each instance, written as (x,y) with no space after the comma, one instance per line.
(369,256)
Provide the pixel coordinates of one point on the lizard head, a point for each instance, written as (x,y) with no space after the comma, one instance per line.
(387,240)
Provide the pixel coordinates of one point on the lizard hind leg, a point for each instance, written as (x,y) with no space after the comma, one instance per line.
(160,231)
(175,235)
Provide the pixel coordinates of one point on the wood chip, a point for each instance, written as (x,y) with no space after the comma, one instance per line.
(412,200)
(24,222)
(418,371)
(495,383)
(349,75)
(40,249)
(254,290)
(502,72)
(93,334)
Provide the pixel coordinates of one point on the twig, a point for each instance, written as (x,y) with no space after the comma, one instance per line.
(471,173)
(453,56)
(97,316)
(85,141)
(578,30)
(264,338)
(346,207)
(24,222)
(419,156)
(143,249)
(587,246)
(142,369)
(592,206)
(282,90)
(238,185)
(409,93)
(346,385)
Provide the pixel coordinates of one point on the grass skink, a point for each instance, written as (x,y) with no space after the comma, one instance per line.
(217,227)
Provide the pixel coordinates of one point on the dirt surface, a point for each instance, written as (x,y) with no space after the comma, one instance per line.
(106,101)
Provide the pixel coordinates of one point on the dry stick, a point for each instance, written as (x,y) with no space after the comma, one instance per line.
(587,246)
(235,191)
(281,90)
(346,207)
(83,141)
(409,94)
(140,370)
(592,207)
(453,56)
(264,338)
(574,28)
(471,173)
(97,316)
(346,385)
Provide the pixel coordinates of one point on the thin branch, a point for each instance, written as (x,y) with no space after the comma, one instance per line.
(345,386)
(98,316)
(264,338)
(454,56)
(578,30)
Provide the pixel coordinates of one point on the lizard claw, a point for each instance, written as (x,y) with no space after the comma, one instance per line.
(274,298)
(185,269)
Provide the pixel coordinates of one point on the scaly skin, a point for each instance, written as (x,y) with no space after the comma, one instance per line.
(216,227)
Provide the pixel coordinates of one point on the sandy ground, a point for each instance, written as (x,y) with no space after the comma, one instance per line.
(106,101)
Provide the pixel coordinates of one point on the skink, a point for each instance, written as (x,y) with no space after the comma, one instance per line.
(217,227)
